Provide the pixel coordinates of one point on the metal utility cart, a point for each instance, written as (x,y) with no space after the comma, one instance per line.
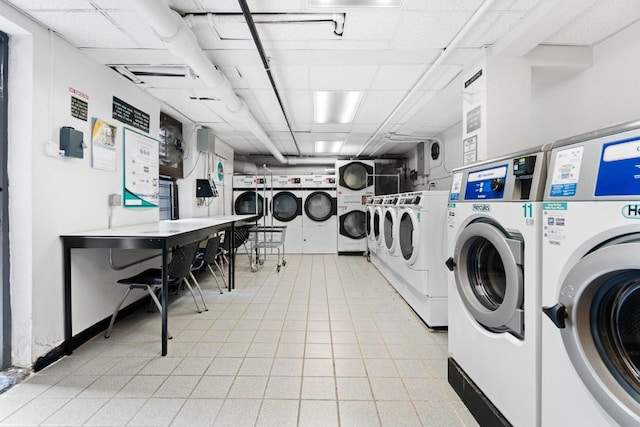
(267,237)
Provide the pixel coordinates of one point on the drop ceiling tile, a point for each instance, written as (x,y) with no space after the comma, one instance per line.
(255,76)
(299,106)
(396,77)
(132,56)
(79,29)
(290,77)
(137,28)
(331,128)
(376,106)
(342,77)
(441,77)
(52,5)
(269,106)
(364,128)
(442,5)
(348,45)
(490,28)
(523,5)
(371,24)
(207,37)
(428,30)
(597,23)
(254,5)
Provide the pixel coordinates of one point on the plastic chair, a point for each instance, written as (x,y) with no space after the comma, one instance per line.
(208,257)
(151,279)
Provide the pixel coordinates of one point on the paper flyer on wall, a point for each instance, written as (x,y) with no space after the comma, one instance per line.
(141,169)
(103,145)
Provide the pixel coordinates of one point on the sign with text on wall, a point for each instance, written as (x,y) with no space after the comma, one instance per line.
(141,169)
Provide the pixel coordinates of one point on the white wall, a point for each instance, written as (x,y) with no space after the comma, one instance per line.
(603,95)
(50,196)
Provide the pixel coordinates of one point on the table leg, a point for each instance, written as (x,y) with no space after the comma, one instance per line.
(232,266)
(68,327)
(165,299)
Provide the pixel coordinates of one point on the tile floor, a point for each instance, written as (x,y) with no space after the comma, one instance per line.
(325,342)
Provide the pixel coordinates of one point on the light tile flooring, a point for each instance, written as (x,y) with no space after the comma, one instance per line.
(325,342)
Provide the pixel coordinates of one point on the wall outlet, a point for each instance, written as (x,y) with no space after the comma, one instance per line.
(115,200)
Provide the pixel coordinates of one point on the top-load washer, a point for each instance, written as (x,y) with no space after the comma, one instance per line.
(247,195)
(286,209)
(355,183)
(319,222)
(495,241)
(591,277)
(417,269)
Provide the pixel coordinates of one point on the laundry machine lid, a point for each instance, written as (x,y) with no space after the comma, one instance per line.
(601,335)
(353,225)
(355,175)
(286,206)
(489,277)
(245,204)
(320,206)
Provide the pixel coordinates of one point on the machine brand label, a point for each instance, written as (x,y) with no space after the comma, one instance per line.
(476,207)
(631,211)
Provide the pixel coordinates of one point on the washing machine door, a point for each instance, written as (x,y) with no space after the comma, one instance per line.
(320,206)
(598,313)
(489,279)
(246,204)
(369,219)
(408,236)
(377,221)
(286,206)
(354,176)
(353,225)
(390,240)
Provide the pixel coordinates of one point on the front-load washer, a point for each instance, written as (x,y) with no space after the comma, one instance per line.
(248,195)
(319,221)
(286,209)
(355,183)
(494,242)
(417,269)
(379,255)
(370,212)
(390,231)
(591,277)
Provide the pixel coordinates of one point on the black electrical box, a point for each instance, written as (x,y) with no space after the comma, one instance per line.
(71,142)
(524,166)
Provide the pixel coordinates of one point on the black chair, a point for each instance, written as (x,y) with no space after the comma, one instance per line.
(208,257)
(151,279)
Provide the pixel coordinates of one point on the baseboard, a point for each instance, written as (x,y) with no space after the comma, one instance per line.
(82,337)
(478,404)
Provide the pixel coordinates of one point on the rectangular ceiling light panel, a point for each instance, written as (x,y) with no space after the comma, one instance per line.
(326,147)
(335,106)
(354,3)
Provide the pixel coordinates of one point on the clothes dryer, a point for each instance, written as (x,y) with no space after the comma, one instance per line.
(355,183)
(380,255)
(390,222)
(286,209)
(247,195)
(319,220)
(591,276)
(495,225)
(370,212)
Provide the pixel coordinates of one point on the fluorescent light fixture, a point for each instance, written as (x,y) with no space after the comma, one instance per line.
(335,106)
(354,3)
(333,147)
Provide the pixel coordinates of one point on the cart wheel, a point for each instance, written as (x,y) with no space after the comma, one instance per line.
(278,269)
(284,262)
(261,261)
(254,268)
(368,258)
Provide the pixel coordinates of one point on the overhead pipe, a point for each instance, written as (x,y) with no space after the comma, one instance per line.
(265,62)
(169,27)
(479,13)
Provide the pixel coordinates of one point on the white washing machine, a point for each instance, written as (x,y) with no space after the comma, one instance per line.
(390,231)
(591,276)
(319,219)
(370,212)
(355,183)
(286,209)
(417,268)
(379,255)
(374,237)
(247,189)
(494,238)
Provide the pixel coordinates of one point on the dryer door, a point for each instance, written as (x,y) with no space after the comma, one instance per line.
(286,206)
(377,221)
(408,239)
(390,239)
(353,225)
(599,308)
(354,176)
(488,276)
(246,204)
(369,220)
(320,206)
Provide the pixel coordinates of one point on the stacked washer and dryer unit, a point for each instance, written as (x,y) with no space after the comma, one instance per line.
(355,184)
(495,247)
(591,276)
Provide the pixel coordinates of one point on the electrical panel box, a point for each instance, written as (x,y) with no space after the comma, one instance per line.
(420,156)
(205,141)
(71,142)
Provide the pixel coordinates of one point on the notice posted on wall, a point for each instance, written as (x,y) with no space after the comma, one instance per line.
(470,150)
(141,169)
(103,145)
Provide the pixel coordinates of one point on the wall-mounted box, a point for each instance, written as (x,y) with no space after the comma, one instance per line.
(205,141)
(71,142)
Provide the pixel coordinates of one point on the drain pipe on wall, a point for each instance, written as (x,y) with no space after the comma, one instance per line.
(479,13)
(169,27)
